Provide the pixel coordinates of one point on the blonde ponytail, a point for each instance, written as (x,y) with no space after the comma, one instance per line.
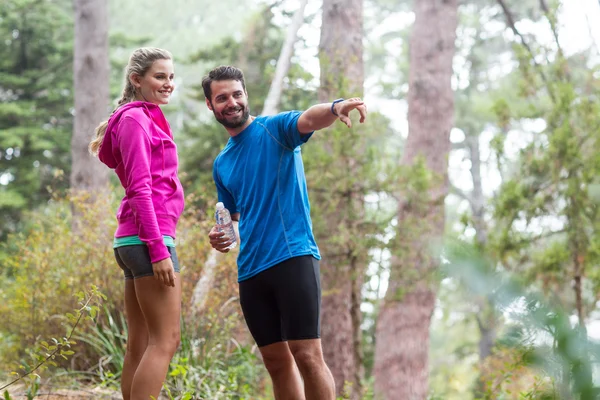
(94,145)
(127,96)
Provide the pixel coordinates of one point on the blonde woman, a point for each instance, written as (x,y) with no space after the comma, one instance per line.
(137,143)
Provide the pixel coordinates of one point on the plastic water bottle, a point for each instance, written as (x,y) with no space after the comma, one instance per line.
(225,224)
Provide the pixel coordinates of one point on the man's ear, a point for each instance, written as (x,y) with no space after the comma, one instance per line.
(208,104)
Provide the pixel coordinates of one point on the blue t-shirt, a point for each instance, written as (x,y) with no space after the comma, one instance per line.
(260,174)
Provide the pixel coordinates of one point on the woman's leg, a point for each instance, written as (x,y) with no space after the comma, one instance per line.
(137,338)
(161,307)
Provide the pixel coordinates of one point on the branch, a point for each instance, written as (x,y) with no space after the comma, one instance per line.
(546,11)
(511,23)
(552,21)
(461,145)
(460,193)
(59,346)
(283,63)
(545,235)
(591,33)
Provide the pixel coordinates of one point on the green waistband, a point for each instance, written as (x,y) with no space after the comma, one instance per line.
(132,240)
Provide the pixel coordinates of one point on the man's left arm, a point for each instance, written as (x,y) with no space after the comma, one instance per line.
(323,115)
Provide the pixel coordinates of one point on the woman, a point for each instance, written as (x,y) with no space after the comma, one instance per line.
(137,143)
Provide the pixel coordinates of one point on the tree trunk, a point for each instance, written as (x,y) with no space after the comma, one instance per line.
(202,288)
(401,353)
(486,314)
(341,49)
(91,85)
(477,200)
(271,105)
(342,75)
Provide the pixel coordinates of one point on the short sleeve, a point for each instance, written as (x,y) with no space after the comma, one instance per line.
(286,124)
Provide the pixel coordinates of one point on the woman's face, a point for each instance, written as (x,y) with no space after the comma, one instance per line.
(157,83)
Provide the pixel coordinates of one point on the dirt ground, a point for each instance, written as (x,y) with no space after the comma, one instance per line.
(46,393)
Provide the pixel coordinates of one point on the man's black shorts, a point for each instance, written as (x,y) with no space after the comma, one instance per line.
(283,302)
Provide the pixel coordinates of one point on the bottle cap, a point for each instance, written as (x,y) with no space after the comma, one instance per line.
(220,206)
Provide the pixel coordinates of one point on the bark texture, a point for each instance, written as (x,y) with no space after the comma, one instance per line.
(401,354)
(91,85)
(342,75)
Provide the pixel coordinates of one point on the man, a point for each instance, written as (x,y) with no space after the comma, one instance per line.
(259,177)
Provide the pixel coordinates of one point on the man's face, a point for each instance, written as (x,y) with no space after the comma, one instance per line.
(229,103)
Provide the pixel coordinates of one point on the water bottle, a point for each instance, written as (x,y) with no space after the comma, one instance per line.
(225,224)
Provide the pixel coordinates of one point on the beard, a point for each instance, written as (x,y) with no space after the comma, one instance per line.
(236,122)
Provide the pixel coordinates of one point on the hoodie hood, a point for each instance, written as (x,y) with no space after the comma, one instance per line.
(106,153)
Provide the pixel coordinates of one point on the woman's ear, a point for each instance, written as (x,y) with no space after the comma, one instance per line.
(135,80)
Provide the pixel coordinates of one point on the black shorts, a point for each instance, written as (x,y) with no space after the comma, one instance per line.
(135,262)
(283,302)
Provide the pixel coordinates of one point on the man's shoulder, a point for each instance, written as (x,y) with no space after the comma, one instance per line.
(279,122)
(284,115)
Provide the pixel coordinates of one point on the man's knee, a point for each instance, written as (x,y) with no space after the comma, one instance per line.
(277,360)
(309,357)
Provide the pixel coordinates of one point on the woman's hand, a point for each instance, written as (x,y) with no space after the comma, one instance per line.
(164,272)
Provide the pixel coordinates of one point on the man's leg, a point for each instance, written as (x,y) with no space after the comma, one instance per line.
(287,384)
(299,299)
(262,316)
(318,380)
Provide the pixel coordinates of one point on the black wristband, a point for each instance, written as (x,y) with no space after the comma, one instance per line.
(333,105)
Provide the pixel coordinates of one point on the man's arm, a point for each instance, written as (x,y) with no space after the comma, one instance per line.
(323,115)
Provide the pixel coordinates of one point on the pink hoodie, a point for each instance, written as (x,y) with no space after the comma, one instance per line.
(139,146)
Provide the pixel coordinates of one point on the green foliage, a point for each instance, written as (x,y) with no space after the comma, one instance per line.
(555,348)
(108,341)
(36,97)
(548,202)
(210,364)
(45,354)
(46,264)
(344,166)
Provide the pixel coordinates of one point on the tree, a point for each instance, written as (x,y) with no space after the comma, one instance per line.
(401,356)
(342,268)
(547,211)
(91,86)
(35,94)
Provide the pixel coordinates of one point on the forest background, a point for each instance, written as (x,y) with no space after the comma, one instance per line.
(458,226)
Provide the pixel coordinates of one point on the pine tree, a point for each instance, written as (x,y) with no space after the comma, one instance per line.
(35,97)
